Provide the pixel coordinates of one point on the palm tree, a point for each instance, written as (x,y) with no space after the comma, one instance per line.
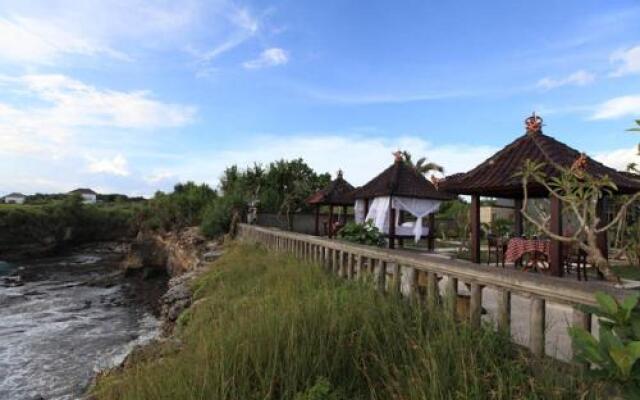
(636,129)
(422,166)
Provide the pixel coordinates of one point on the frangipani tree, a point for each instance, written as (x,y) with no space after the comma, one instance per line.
(579,193)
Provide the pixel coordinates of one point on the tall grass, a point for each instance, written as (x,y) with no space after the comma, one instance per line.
(270,327)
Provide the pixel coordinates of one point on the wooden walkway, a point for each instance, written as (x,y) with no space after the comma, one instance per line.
(552,302)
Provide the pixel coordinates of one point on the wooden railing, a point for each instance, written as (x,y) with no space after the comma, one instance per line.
(389,267)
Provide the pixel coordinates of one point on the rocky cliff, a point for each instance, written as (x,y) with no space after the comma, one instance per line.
(183,255)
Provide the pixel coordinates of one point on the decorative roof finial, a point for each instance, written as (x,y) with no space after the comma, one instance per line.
(339,175)
(397,156)
(533,124)
(579,166)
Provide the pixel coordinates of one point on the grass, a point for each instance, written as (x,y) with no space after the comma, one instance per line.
(266,326)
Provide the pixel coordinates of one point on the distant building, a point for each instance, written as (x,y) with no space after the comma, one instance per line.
(499,209)
(88,195)
(15,198)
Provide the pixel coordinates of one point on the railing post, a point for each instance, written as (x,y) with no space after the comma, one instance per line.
(475,308)
(504,310)
(381,274)
(397,279)
(350,265)
(336,262)
(412,278)
(451,296)
(359,264)
(432,289)
(537,326)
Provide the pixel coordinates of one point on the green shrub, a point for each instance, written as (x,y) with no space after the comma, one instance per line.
(366,233)
(616,353)
(216,218)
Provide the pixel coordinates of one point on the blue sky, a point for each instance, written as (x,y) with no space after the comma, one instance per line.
(133,96)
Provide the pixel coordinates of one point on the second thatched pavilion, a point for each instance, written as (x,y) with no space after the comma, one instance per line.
(397,201)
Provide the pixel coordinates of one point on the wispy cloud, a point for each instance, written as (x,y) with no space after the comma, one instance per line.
(578,78)
(40,41)
(54,108)
(617,107)
(627,60)
(268,58)
(241,25)
(356,98)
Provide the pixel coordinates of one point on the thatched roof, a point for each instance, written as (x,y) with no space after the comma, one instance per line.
(497,176)
(401,179)
(337,193)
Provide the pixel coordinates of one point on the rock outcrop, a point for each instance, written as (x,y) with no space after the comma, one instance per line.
(180,254)
(174,252)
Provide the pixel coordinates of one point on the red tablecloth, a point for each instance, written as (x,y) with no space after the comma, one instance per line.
(517,247)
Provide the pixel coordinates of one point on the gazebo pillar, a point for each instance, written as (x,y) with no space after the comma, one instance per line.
(330,224)
(555,250)
(392,224)
(518,226)
(431,239)
(317,230)
(474,220)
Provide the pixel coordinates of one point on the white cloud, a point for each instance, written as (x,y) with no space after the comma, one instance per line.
(40,41)
(117,165)
(628,60)
(578,78)
(618,107)
(268,58)
(53,109)
(45,32)
(361,157)
(620,158)
(240,25)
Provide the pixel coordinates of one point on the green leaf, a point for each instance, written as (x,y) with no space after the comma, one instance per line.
(608,304)
(586,345)
(634,349)
(623,361)
(609,341)
(635,327)
(628,304)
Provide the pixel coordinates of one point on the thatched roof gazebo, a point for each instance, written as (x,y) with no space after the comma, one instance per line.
(497,177)
(337,193)
(397,190)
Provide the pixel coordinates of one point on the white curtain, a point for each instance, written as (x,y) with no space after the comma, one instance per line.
(379,213)
(359,211)
(419,208)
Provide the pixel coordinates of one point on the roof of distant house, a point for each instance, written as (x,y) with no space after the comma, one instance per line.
(401,179)
(336,193)
(82,191)
(15,195)
(498,175)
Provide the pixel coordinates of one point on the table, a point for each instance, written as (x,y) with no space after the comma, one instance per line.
(537,248)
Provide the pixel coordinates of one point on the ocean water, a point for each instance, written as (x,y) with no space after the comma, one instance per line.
(63,325)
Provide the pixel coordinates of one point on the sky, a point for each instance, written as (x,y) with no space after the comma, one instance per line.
(132,96)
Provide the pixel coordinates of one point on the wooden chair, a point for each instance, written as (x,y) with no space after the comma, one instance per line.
(497,246)
(575,255)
